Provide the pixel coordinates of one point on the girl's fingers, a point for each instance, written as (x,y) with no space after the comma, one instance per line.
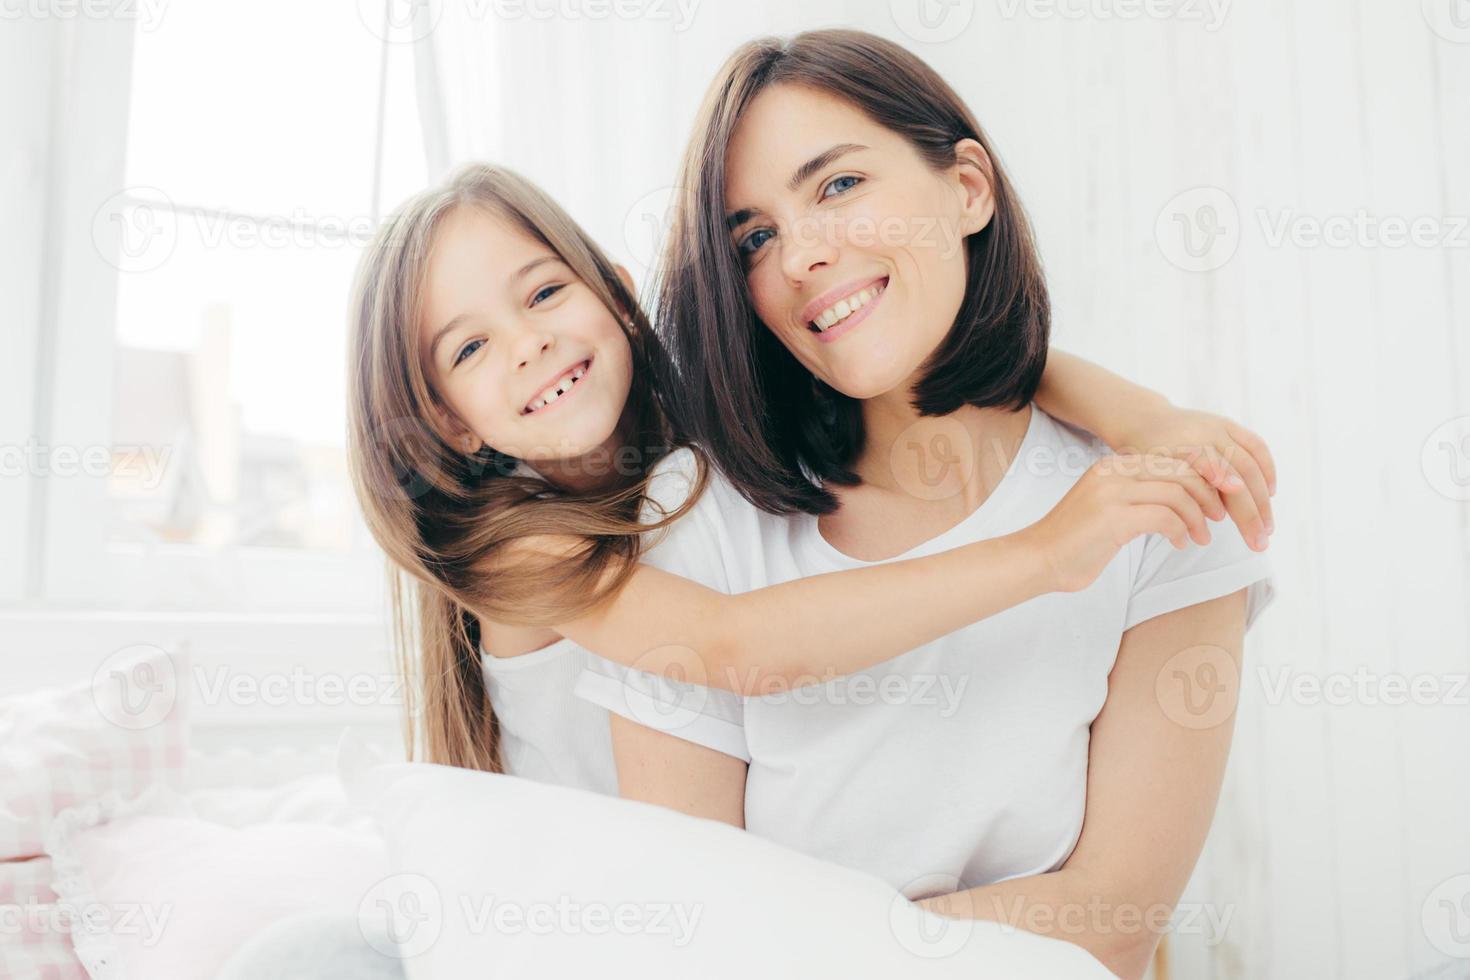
(1219,474)
(1255,482)
(1188,476)
(1258,449)
(1162,519)
(1183,503)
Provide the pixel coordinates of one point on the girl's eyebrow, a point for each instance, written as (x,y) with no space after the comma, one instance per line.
(520,273)
(531,266)
(802,174)
(444,331)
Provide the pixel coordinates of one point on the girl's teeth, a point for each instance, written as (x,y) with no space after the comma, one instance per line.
(557,390)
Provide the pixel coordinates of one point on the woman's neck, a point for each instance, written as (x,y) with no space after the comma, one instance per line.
(956,459)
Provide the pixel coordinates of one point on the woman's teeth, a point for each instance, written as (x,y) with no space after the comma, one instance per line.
(845,308)
(558,388)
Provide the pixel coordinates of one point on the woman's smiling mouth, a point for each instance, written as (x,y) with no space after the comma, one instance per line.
(558,389)
(844,308)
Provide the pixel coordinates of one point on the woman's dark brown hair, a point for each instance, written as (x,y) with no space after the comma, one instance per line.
(775,431)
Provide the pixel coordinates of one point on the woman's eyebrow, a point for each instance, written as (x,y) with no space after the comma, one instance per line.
(803,173)
(821,160)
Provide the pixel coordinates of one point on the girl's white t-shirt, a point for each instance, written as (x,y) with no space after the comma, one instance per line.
(547,733)
(957,764)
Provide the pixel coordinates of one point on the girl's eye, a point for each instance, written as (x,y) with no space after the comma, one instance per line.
(545,293)
(838,185)
(466,351)
(750,243)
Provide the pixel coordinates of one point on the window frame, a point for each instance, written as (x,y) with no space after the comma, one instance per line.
(70,560)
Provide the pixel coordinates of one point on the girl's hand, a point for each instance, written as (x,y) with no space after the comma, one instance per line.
(1118,499)
(1231,458)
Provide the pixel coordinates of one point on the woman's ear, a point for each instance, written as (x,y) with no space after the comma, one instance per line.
(974,174)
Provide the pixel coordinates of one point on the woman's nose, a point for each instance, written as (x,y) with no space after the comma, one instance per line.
(806,247)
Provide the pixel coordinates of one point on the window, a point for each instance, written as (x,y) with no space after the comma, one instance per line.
(263,144)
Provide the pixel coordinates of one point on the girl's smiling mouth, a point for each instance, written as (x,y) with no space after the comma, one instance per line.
(838,311)
(561,386)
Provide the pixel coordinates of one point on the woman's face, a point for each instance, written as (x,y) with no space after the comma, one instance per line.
(853,244)
(525,356)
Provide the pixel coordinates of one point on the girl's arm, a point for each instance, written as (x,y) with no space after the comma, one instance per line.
(813,629)
(1115,894)
(1134,419)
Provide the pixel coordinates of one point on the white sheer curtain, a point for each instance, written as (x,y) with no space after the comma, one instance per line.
(594,110)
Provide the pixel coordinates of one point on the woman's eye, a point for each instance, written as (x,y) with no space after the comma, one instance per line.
(839,184)
(750,243)
(545,293)
(466,351)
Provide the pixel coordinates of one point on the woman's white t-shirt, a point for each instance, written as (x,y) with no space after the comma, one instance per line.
(959,763)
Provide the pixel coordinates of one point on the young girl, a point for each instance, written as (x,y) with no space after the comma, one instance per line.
(508,402)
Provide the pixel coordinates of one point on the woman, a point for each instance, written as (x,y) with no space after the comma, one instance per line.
(825,414)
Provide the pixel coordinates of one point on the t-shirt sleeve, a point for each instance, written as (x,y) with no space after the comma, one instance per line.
(1168,578)
(691,547)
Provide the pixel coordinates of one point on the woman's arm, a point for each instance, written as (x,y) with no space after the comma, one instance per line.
(813,629)
(657,767)
(1155,766)
(1133,419)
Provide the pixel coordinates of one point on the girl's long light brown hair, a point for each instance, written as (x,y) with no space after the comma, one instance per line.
(448,521)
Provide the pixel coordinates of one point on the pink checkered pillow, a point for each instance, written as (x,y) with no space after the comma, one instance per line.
(35,928)
(121,731)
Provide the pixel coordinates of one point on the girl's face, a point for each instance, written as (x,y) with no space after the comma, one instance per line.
(853,244)
(525,356)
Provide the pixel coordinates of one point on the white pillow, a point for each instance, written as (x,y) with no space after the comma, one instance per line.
(500,876)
